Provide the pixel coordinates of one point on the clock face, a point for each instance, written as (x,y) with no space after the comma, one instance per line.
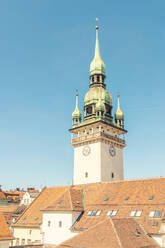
(112,151)
(86,150)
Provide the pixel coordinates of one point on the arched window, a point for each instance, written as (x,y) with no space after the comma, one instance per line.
(86,174)
(49,223)
(98,78)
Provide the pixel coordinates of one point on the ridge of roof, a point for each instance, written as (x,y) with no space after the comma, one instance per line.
(125,180)
(115,231)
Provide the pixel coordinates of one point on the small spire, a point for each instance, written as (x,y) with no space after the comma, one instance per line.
(118,106)
(119,116)
(76,115)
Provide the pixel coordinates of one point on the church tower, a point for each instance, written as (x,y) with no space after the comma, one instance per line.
(98,141)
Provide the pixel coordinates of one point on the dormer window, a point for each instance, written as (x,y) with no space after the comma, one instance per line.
(155,214)
(112,212)
(136,213)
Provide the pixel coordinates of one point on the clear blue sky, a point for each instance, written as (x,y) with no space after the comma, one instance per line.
(45,51)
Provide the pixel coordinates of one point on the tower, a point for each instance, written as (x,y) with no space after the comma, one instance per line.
(98,141)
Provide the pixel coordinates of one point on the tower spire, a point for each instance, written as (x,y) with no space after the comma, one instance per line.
(97,65)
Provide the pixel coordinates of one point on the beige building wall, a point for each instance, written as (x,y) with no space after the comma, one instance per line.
(111,164)
(90,164)
(98,165)
(27,235)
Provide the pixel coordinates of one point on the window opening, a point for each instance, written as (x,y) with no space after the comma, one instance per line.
(155,214)
(151,197)
(136,213)
(112,212)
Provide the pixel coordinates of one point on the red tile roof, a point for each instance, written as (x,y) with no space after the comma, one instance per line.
(32,216)
(2,195)
(4,229)
(70,200)
(126,195)
(124,232)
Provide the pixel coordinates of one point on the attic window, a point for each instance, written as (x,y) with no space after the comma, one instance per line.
(127,198)
(98,212)
(112,212)
(106,198)
(36,218)
(155,223)
(24,218)
(151,197)
(155,214)
(136,213)
(60,201)
(89,213)
(94,213)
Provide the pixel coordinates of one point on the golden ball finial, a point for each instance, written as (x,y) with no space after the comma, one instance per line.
(97,19)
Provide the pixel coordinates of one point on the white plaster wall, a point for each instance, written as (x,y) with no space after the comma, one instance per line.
(4,244)
(24,233)
(158,239)
(99,164)
(54,234)
(111,164)
(26,200)
(89,164)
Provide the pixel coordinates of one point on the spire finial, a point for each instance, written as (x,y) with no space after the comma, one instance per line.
(97,19)
(118,96)
(76,98)
(97,49)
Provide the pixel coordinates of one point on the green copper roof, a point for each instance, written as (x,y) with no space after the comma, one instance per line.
(100,106)
(76,114)
(119,114)
(97,93)
(97,65)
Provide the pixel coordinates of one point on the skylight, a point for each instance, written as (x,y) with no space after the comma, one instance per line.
(151,197)
(94,212)
(136,213)
(155,223)
(112,212)
(106,198)
(155,214)
(127,198)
